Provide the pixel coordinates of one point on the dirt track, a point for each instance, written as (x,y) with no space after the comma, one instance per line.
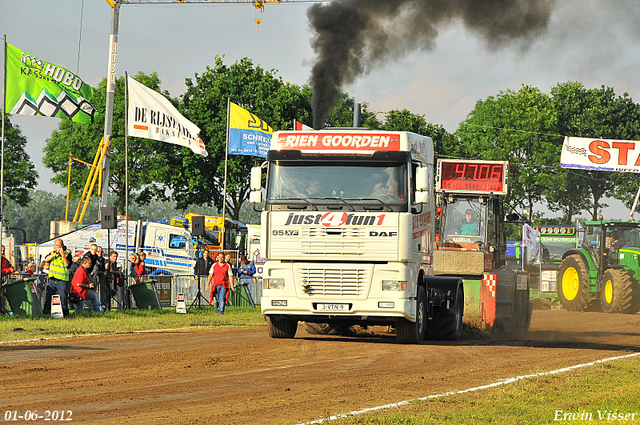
(241,376)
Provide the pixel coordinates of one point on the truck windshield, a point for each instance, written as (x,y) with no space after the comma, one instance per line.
(350,185)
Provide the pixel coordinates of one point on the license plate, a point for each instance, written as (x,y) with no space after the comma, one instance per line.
(332,307)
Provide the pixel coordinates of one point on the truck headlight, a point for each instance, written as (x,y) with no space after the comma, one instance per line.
(273,283)
(394,285)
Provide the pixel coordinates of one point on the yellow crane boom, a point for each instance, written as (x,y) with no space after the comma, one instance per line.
(257,3)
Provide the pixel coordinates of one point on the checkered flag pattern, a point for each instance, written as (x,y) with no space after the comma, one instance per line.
(49,107)
(490,280)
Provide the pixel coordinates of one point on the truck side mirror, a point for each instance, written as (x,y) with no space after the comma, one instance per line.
(422,197)
(255,197)
(422,179)
(422,185)
(256,178)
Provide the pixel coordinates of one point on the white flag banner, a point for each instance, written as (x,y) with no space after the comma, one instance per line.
(529,237)
(152,116)
(580,230)
(301,127)
(601,154)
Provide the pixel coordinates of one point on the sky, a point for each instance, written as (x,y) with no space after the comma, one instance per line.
(595,42)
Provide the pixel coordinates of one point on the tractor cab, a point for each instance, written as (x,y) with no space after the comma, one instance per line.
(473,224)
(604,241)
(605,267)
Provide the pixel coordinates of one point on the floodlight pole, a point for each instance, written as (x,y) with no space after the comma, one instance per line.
(111,88)
(635,204)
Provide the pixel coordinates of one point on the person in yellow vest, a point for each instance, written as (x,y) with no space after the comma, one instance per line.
(59,261)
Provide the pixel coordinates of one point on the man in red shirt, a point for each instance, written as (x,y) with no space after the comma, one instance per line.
(6,270)
(6,265)
(221,283)
(80,285)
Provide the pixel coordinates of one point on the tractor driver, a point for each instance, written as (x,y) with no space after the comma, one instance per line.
(469,225)
(616,240)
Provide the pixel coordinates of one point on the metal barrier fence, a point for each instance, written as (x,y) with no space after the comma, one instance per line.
(168,287)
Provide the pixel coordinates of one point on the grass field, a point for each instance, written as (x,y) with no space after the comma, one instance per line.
(604,394)
(13,328)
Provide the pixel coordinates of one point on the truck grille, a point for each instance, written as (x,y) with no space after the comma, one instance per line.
(320,282)
(351,248)
(331,241)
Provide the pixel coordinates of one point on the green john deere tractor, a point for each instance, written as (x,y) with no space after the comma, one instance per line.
(605,267)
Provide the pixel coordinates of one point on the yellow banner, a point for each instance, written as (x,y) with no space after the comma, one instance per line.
(248,134)
(242,119)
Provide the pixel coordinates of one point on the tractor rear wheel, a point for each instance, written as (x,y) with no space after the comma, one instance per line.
(573,284)
(446,327)
(619,292)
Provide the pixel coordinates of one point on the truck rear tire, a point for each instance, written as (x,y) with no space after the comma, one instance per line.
(282,328)
(408,332)
(573,284)
(447,327)
(619,292)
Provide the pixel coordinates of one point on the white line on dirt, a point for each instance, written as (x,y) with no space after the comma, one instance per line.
(468,390)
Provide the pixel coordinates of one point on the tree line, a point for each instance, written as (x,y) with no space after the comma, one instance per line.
(525,127)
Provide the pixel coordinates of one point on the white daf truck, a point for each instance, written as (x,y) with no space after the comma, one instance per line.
(348,235)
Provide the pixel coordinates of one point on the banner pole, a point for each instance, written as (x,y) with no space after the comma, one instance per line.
(635,204)
(224,190)
(111,88)
(125,260)
(4,107)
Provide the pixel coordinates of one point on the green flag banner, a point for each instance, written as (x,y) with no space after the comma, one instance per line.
(36,87)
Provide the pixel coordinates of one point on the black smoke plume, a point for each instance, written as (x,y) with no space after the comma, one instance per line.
(354,36)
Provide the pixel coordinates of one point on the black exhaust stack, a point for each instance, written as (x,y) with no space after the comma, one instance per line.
(356,115)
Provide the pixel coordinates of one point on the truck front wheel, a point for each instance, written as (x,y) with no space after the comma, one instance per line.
(619,293)
(413,332)
(282,328)
(573,284)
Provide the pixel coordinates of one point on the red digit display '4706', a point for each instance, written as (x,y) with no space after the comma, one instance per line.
(472,176)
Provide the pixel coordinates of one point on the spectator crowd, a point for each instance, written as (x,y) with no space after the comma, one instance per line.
(95,280)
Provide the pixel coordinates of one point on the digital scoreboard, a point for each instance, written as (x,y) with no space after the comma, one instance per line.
(472,176)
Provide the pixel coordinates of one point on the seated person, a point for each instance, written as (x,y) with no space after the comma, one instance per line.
(388,191)
(30,269)
(469,225)
(313,191)
(616,241)
(80,285)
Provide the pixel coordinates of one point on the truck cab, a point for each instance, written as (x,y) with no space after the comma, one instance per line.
(347,232)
